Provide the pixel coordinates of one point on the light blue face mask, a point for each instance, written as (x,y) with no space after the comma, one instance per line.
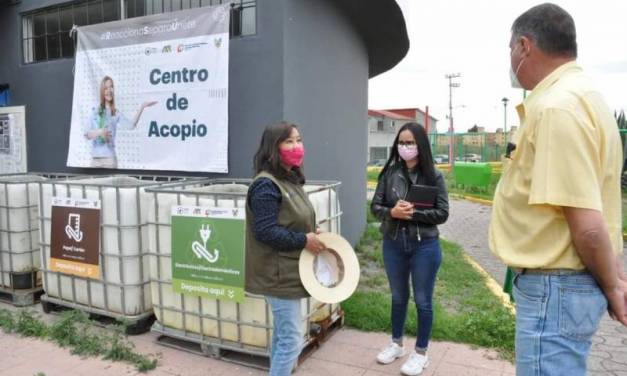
(513,76)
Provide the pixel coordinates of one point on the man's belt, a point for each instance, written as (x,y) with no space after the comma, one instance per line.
(549,271)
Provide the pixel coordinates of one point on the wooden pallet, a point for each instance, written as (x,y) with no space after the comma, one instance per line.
(134,326)
(21,297)
(237,353)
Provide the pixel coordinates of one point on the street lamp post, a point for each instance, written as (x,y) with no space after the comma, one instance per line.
(505,100)
(451,128)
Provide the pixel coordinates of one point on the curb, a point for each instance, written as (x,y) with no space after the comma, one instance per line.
(471,198)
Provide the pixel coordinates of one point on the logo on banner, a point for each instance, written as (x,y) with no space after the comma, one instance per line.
(217,42)
(151,50)
(200,250)
(166,49)
(187,47)
(73,227)
(221,15)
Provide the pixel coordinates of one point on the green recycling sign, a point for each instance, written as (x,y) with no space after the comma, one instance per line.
(208,252)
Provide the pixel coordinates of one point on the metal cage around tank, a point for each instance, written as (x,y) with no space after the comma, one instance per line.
(226,329)
(122,290)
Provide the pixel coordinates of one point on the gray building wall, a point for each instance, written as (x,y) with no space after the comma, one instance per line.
(326,92)
(305,64)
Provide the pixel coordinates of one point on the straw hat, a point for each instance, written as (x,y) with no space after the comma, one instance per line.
(332,275)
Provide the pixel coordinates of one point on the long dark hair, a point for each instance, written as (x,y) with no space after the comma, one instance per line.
(101,110)
(425,159)
(267,156)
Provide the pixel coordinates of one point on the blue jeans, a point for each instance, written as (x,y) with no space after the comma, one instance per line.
(556,317)
(404,257)
(287,339)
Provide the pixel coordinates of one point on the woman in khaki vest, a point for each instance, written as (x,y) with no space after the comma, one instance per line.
(280,222)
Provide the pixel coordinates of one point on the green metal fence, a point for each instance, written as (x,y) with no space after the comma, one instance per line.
(477,147)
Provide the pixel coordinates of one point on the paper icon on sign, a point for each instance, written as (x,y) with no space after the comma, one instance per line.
(73,227)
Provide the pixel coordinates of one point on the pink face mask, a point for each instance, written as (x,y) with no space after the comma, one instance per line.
(292,157)
(408,152)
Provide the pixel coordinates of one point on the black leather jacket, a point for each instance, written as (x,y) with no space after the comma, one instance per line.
(392,187)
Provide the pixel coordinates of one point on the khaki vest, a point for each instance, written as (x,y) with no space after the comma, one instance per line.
(268,270)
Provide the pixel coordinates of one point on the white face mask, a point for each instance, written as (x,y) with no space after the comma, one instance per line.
(513,79)
(513,76)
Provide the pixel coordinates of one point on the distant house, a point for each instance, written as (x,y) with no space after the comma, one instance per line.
(384,124)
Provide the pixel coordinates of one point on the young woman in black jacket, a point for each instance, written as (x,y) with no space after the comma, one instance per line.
(411,248)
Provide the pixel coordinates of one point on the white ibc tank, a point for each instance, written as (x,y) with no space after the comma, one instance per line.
(326,205)
(19,227)
(247,324)
(123,287)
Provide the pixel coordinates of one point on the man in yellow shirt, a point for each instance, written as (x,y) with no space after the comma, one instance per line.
(556,218)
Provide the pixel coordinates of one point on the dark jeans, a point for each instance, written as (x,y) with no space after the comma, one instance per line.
(405,257)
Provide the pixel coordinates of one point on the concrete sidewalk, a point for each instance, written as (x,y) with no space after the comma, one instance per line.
(347,353)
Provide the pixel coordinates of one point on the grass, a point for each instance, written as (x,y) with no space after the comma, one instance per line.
(75,331)
(373,174)
(465,310)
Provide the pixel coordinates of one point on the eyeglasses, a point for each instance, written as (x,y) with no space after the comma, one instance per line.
(407,143)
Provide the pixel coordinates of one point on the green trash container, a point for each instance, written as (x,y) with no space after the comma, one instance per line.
(471,174)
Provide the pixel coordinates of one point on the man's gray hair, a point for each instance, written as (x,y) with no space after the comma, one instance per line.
(550,27)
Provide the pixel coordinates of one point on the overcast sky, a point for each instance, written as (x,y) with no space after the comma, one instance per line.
(472,37)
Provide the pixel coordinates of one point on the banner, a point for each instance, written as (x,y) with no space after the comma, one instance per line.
(152,93)
(75,237)
(208,252)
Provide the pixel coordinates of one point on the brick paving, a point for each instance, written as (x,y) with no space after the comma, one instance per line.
(348,352)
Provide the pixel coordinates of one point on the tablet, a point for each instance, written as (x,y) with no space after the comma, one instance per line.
(422,196)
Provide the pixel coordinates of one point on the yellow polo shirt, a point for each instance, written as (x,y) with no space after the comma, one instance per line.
(568,153)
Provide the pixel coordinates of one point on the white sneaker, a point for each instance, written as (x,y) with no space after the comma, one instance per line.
(392,352)
(415,364)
